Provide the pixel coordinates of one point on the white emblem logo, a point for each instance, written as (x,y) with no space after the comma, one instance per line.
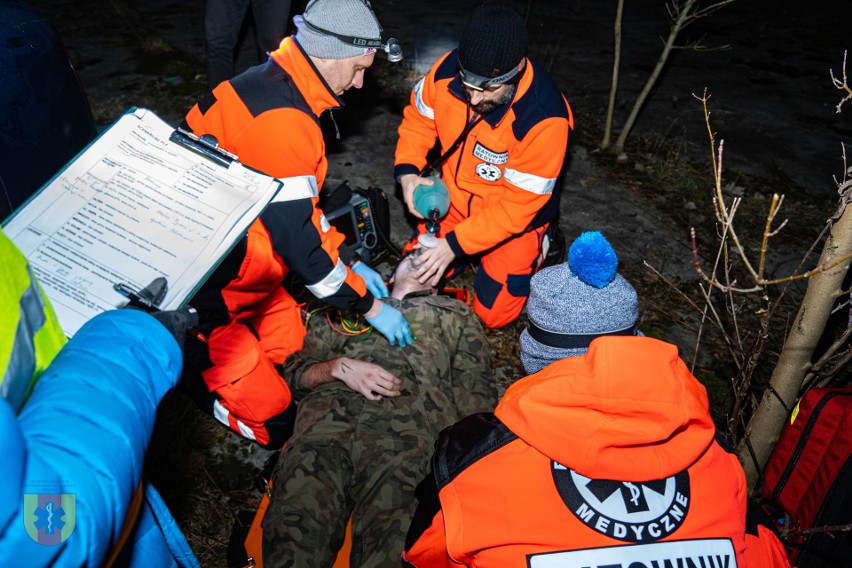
(631,511)
(488,172)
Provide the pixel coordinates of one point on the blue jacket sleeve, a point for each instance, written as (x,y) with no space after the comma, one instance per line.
(82,435)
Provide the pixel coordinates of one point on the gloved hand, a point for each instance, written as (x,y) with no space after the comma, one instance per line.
(179,321)
(374,281)
(392,324)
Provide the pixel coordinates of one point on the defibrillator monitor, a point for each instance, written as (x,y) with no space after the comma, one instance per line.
(344,221)
(356,219)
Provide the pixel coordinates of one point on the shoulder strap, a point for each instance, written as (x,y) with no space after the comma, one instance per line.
(127,526)
(435,164)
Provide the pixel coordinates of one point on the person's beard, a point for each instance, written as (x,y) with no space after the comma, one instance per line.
(489,106)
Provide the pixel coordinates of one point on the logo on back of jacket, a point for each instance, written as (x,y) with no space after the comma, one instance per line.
(639,512)
(487,169)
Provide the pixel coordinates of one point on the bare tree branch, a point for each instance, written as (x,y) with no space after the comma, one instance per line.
(817,530)
(682,13)
(842,85)
(616,64)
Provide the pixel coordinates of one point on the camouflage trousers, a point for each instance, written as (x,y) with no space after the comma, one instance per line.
(347,456)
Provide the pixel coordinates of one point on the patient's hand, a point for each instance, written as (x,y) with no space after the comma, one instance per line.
(366,378)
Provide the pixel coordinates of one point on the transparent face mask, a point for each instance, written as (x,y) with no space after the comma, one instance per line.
(426,241)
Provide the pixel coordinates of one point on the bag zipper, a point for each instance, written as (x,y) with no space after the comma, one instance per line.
(800,446)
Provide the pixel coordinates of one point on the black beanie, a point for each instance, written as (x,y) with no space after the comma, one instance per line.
(494,41)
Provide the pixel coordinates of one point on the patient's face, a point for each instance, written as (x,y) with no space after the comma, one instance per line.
(403,277)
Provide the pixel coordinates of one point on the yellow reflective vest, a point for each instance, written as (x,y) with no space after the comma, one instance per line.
(30,336)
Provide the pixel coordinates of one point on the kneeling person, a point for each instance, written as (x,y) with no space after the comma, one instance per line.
(605,455)
(366,423)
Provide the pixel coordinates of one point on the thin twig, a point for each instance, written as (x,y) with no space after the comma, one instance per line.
(842,85)
(818,530)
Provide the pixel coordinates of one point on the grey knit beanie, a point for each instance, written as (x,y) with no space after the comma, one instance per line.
(574,302)
(345,17)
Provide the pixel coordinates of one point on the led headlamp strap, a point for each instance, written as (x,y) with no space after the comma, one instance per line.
(570,340)
(351,40)
(480,83)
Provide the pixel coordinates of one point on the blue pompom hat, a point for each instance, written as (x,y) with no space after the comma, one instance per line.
(572,303)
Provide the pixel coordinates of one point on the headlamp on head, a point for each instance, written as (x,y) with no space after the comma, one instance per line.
(480,83)
(392,46)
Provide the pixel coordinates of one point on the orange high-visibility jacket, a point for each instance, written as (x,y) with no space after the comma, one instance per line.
(503,177)
(606,459)
(269,117)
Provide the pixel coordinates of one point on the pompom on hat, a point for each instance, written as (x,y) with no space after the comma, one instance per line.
(574,302)
(345,17)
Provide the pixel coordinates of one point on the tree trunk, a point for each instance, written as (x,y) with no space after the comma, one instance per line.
(615,66)
(780,397)
(683,17)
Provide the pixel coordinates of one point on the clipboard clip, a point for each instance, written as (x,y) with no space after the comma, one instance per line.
(206,145)
(148,298)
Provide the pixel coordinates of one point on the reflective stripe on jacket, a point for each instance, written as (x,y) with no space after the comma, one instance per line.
(603,459)
(31,335)
(503,177)
(269,117)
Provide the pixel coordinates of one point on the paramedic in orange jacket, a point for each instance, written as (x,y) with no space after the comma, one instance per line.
(269,117)
(605,456)
(504,124)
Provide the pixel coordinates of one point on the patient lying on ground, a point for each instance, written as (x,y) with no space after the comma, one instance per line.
(368,416)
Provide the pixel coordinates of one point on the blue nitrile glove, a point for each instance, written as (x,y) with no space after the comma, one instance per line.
(393,325)
(374,281)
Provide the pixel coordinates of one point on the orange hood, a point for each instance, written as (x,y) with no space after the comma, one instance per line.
(629,409)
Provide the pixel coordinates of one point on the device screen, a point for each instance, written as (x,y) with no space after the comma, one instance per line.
(346,225)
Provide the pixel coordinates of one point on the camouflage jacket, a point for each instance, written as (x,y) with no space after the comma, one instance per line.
(448,367)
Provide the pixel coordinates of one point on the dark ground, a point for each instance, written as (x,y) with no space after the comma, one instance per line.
(772,102)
